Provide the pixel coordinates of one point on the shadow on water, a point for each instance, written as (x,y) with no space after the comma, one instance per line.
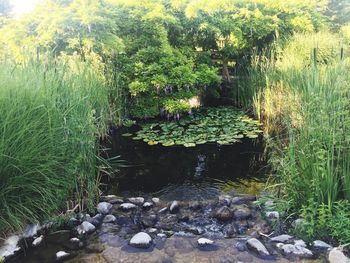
(181,173)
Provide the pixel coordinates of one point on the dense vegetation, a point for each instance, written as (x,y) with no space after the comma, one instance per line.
(72,67)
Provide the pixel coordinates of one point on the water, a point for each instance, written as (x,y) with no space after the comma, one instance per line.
(172,173)
(181,173)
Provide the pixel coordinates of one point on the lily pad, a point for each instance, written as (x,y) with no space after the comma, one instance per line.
(222,125)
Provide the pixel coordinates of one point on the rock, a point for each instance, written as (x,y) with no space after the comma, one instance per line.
(300,243)
(229,231)
(281,238)
(10,247)
(152,230)
(74,244)
(167,222)
(272,215)
(109,219)
(116,201)
(127,206)
(31,231)
(136,200)
(320,245)
(223,213)
(162,235)
(194,205)
(204,242)
(107,198)
(141,240)
(195,230)
(174,207)
(242,212)
(256,246)
(295,250)
(336,255)
(37,241)
(96,220)
(155,200)
(147,205)
(149,220)
(163,210)
(85,228)
(62,255)
(225,200)
(104,208)
(240,246)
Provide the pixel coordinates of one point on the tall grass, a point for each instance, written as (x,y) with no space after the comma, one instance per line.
(51,115)
(305,104)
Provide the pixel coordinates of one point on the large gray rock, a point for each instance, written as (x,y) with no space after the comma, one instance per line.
(282,238)
(109,219)
(242,212)
(96,220)
(320,245)
(336,255)
(257,247)
(223,213)
(85,228)
(295,250)
(141,240)
(104,208)
(10,247)
(136,200)
(300,242)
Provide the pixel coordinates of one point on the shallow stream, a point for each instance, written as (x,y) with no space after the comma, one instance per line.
(203,180)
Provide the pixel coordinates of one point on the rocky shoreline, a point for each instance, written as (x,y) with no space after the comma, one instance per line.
(229,227)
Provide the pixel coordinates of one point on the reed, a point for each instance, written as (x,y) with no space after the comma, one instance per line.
(51,116)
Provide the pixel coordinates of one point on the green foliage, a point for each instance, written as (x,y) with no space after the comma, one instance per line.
(50,117)
(322,223)
(309,104)
(144,47)
(221,125)
(298,52)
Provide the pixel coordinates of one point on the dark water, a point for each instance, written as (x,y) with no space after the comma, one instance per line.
(182,173)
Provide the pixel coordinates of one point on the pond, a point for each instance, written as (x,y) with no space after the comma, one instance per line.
(214,186)
(180,173)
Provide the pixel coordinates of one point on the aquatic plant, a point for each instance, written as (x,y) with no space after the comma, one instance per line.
(308,108)
(222,125)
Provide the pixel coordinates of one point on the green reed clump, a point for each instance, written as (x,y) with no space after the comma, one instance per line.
(51,116)
(306,111)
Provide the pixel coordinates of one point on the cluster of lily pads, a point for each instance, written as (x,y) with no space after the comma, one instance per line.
(223,125)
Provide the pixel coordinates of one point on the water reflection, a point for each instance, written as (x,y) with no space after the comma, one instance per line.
(181,173)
